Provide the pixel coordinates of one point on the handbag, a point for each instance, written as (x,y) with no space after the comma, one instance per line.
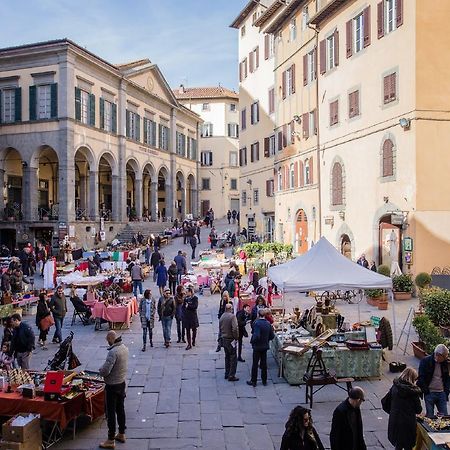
(386,402)
(46,322)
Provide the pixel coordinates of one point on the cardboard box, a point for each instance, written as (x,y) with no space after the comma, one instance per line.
(24,434)
(31,444)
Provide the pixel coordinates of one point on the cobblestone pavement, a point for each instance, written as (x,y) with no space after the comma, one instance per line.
(178,399)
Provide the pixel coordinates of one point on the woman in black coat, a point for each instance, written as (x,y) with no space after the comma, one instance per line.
(42,311)
(402,403)
(190,318)
(300,433)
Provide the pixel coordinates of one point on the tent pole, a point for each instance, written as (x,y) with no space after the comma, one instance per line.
(394,318)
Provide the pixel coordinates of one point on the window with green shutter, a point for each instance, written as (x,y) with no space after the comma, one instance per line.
(18,104)
(32,102)
(145,129)
(102,113)
(113,117)
(54,101)
(92,110)
(77,103)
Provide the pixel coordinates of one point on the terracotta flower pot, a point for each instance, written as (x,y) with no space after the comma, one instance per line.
(419,350)
(402,295)
(383,305)
(373,301)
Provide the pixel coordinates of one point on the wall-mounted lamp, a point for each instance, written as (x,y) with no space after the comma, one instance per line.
(297,118)
(405,123)
(249,182)
(386,199)
(296,134)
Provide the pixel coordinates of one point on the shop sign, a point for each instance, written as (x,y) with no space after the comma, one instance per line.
(396,219)
(408,244)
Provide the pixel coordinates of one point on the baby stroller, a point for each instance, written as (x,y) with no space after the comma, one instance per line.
(64,355)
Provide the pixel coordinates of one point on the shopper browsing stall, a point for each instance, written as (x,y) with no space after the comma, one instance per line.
(22,341)
(147,308)
(43,319)
(58,306)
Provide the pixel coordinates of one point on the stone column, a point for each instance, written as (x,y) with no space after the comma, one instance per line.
(183,203)
(120,177)
(138,197)
(30,193)
(194,197)
(154,200)
(116,202)
(83,193)
(2,191)
(93,195)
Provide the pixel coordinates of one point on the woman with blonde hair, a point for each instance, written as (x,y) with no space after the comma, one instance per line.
(402,403)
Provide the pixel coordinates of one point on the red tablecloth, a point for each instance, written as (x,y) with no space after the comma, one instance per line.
(120,314)
(90,404)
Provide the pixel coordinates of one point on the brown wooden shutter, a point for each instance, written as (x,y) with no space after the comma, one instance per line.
(293,79)
(296,174)
(323,56)
(280,141)
(393,87)
(399,12)
(240,72)
(336,48)
(245,68)
(268,188)
(386,88)
(316,125)
(257,57)
(336,111)
(250,62)
(349,38)
(257,151)
(380,19)
(292,136)
(351,106)
(311,170)
(356,102)
(302,174)
(267,147)
(284,136)
(305,70)
(366,25)
(287,177)
(305,125)
(252,152)
(315,62)
(266,46)
(283,178)
(283,84)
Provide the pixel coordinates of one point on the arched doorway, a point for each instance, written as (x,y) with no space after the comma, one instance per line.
(346,246)
(180,195)
(301,232)
(149,193)
(84,185)
(162,193)
(12,184)
(132,190)
(105,199)
(390,238)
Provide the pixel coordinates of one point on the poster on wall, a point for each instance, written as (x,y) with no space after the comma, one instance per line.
(71,231)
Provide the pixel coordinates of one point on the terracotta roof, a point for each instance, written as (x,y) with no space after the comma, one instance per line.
(268,13)
(284,15)
(244,13)
(329,9)
(204,92)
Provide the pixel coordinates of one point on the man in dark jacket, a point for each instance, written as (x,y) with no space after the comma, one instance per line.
(58,307)
(262,333)
(242,316)
(166,313)
(229,333)
(434,380)
(346,426)
(193,242)
(154,261)
(22,341)
(229,282)
(180,260)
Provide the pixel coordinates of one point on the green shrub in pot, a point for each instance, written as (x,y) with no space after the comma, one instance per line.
(384,270)
(402,283)
(428,333)
(373,293)
(437,305)
(423,280)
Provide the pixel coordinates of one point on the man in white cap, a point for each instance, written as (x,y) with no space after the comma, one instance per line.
(434,380)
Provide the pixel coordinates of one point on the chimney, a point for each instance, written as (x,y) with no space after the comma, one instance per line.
(182,90)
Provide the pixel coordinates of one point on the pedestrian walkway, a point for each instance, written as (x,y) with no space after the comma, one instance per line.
(179,399)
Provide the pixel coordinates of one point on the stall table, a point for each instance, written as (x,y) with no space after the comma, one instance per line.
(120,314)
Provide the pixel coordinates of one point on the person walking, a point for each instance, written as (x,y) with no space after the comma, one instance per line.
(114,373)
(58,307)
(137,276)
(147,308)
(193,242)
(229,333)
(402,403)
(161,276)
(225,299)
(22,341)
(229,216)
(154,262)
(242,316)
(211,217)
(300,433)
(166,313)
(180,261)
(147,254)
(262,333)
(434,380)
(172,273)
(179,301)
(190,317)
(346,425)
(234,215)
(198,231)
(42,312)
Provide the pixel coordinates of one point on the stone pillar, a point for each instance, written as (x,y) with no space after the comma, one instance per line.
(117,214)
(183,203)
(30,193)
(120,177)
(66,199)
(138,197)
(2,191)
(154,200)
(194,198)
(93,195)
(83,192)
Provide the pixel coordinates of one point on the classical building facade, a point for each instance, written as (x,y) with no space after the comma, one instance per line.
(84,142)
(218,146)
(257,119)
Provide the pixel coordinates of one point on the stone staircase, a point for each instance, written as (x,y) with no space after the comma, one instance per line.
(146,228)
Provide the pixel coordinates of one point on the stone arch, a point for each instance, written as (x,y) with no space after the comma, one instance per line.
(345,230)
(163,192)
(149,192)
(11,181)
(86,151)
(191,200)
(110,159)
(310,212)
(85,187)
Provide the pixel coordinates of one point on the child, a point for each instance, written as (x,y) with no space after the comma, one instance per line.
(6,360)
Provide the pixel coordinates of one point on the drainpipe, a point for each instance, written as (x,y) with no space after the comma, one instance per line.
(319,164)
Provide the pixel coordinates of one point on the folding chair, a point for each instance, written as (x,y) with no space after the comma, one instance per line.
(80,315)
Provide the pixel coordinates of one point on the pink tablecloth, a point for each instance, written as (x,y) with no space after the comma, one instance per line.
(121,314)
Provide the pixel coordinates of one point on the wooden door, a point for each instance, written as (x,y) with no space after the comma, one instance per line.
(301,232)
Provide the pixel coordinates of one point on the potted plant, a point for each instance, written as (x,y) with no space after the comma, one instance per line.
(437,306)
(423,280)
(373,296)
(429,336)
(402,285)
(384,270)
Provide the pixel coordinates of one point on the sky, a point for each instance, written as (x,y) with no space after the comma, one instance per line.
(190,40)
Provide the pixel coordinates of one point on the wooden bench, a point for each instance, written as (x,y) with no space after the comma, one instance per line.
(322,382)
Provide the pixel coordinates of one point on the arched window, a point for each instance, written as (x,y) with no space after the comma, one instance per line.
(307,169)
(280,181)
(291,176)
(337,186)
(388,158)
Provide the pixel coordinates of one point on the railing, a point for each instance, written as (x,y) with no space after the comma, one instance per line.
(106,214)
(13,212)
(48,213)
(81,214)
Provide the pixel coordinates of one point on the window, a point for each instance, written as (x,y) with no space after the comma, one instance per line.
(312,123)
(288,81)
(243,156)
(388,158)
(149,132)
(254,152)
(254,17)
(242,31)
(181,144)
(234,159)
(307,172)
(312,70)
(133,125)
(358,30)
(7,102)
(244,198)
(205,107)
(353,104)
(334,112)
(206,184)
(279,179)
(84,106)
(207,129)
(269,46)
(233,107)
(305,18)
(272,146)
(253,59)
(269,188)
(163,137)
(206,158)
(254,113)
(233,130)
(390,16)
(44,100)
(243,118)
(192,148)
(233,184)
(330,52)
(256,197)
(292,30)
(108,116)
(337,187)
(390,88)
(291,176)
(271,101)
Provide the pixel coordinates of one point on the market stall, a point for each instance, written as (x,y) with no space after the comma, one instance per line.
(433,434)
(118,314)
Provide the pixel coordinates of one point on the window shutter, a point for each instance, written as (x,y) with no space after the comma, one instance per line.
(336,48)
(268,193)
(399,12)
(336,112)
(250,62)
(114,118)
(366,25)
(257,151)
(315,62)
(305,125)
(282,178)
(302,174)
(323,56)
(386,87)
(145,130)
(305,70)
(0,106)
(356,102)
(280,141)
(393,86)
(240,72)
(257,111)
(266,46)
(245,67)
(32,92)
(266,147)
(316,125)
(17,104)
(54,100)
(292,136)
(229,130)
(351,106)
(92,110)
(127,116)
(349,38)
(293,79)
(102,113)
(296,174)
(331,113)
(284,136)
(257,57)
(283,84)
(138,127)
(380,19)
(252,157)
(252,120)
(286,177)
(77,103)
(311,167)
